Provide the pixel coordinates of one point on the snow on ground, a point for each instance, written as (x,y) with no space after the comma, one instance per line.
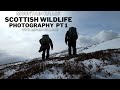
(54,73)
(71,60)
(60,54)
(6,65)
(111,44)
(8,73)
(59,62)
(54,62)
(92,64)
(80,49)
(101,70)
(116,57)
(97,68)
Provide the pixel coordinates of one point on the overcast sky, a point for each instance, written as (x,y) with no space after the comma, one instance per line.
(92,26)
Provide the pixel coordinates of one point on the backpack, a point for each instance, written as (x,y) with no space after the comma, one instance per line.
(72,33)
(45,40)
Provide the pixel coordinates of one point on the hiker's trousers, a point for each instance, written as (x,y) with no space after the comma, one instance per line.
(72,46)
(44,51)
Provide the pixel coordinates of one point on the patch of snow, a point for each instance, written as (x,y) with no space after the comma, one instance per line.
(54,62)
(52,73)
(16,63)
(93,62)
(116,57)
(112,68)
(9,72)
(6,65)
(107,71)
(72,59)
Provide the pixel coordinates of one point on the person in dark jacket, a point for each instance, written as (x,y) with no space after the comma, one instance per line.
(71,37)
(46,43)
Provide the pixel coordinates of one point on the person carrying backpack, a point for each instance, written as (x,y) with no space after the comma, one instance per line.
(71,37)
(46,43)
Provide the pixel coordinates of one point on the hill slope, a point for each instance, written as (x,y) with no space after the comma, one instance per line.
(101,61)
(110,44)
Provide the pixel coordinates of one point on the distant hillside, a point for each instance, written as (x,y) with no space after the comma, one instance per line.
(110,44)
